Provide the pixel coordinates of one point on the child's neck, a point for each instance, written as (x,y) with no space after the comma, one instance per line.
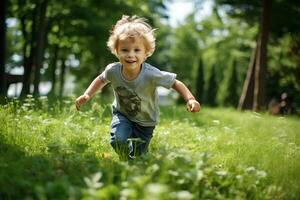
(131,74)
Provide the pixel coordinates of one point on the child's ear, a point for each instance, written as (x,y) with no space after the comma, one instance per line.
(147,55)
(117,55)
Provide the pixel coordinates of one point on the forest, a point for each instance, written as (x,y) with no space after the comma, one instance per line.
(244,54)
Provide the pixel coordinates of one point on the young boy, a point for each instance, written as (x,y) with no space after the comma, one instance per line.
(134,82)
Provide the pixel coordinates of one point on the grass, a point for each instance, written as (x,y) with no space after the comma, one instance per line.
(268,143)
(58,153)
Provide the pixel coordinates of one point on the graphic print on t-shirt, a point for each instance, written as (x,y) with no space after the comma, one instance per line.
(129,101)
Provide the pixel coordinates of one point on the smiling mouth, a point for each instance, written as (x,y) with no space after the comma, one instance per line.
(128,61)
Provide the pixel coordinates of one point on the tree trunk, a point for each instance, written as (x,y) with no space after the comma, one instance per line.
(62,77)
(259,101)
(231,98)
(25,47)
(40,46)
(211,92)
(254,89)
(30,62)
(200,81)
(53,65)
(246,99)
(3,7)
(12,78)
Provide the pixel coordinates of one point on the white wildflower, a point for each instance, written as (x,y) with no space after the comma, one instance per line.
(200,175)
(250,169)
(261,174)
(216,122)
(221,173)
(184,195)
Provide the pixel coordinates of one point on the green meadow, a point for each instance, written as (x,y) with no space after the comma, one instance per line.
(55,152)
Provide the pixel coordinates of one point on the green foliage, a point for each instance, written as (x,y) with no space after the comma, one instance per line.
(284,68)
(55,152)
(78,30)
(212,88)
(228,94)
(200,81)
(283,45)
(251,11)
(228,34)
(223,39)
(184,51)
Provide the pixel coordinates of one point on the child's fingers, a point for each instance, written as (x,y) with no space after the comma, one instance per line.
(197,107)
(77,105)
(81,100)
(192,107)
(78,102)
(189,107)
(86,97)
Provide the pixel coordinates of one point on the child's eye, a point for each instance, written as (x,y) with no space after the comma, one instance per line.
(124,50)
(137,50)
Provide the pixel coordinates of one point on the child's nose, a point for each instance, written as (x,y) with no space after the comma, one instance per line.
(130,53)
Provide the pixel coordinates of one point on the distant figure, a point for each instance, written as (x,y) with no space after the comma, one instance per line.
(274,107)
(135,108)
(284,104)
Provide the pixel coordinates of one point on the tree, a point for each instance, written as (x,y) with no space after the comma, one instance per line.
(27,13)
(40,46)
(255,85)
(284,69)
(212,89)
(220,44)
(231,97)
(3,6)
(74,31)
(200,81)
(183,50)
(53,67)
(62,77)
(254,90)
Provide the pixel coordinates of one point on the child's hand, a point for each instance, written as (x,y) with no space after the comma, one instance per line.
(193,105)
(81,100)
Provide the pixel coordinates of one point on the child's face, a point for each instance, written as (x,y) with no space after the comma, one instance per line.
(131,52)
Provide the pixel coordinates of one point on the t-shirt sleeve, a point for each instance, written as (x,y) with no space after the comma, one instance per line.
(105,76)
(163,78)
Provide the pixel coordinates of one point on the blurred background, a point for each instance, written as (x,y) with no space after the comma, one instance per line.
(243,54)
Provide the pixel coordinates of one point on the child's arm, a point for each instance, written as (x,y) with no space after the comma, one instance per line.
(192,104)
(97,84)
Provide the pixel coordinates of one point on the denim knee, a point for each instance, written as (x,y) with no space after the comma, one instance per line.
(117,141)
(121,130)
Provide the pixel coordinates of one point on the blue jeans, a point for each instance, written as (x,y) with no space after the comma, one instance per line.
(128,138)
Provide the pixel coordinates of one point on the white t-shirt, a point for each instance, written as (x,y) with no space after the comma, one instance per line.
(137,99)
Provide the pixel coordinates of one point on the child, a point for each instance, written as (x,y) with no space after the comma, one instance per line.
(134,82)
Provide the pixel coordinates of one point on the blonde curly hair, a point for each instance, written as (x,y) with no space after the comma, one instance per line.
(128,27)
